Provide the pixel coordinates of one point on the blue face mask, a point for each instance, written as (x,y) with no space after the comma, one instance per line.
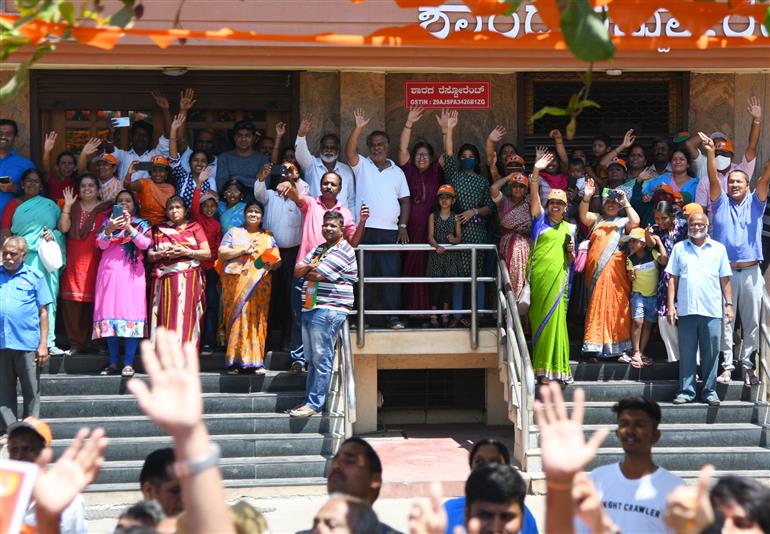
(468,163)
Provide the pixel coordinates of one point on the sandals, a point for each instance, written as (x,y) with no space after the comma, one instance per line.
(725,377)
(639,362)
(127,372)
(110,370)
(750,379)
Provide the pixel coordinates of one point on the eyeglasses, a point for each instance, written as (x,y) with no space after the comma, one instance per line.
(697,225)
(421,155)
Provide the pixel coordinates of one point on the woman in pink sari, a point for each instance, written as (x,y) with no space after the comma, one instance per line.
(515,226)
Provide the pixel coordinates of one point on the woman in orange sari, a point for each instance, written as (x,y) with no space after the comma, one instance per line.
(154,192)
(608,318)
(247,255)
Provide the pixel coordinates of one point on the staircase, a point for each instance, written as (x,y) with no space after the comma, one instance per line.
(730,436)
(261,446)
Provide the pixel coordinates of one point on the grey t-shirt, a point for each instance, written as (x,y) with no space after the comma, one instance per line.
(243,168)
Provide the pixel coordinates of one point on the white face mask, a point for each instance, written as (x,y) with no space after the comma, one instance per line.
(723,162)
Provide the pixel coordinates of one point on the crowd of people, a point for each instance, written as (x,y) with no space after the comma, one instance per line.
(182,487)
(218,247)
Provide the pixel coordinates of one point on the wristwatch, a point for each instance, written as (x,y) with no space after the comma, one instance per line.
(402,225)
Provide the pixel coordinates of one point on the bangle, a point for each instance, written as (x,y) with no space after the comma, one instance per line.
(584,201)
(407,126)
(197,466)
(728,303)
(65,212)
(757,121)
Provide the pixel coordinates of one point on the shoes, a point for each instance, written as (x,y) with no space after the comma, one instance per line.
(681,399)
(234,370)
(110,370)
(304,411)
(713,401)
(297,407)
(296,368)
(53,350)
(127,372)
(395,324)
(207,350)
(725,377)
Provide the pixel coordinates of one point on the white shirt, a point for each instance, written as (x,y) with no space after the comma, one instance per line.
(184,160)
(635,506)
(314,169)
(282,216)
(380,190)
(127,157)
(73,518)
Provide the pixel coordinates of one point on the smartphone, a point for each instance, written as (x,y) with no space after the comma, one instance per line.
(121,122)
(117,211)
(5,179)
(279,171)
(144,166)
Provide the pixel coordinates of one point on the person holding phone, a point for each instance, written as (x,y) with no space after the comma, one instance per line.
(153,192)
(80,220)
(120,307)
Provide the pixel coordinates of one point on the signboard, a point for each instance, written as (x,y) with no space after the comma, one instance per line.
(446,95)
(16,482)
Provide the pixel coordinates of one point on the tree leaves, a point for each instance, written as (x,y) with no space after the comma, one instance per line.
(577,103)
(584,32)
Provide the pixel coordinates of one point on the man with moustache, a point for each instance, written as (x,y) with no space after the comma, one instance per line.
(700,281)
(327,160)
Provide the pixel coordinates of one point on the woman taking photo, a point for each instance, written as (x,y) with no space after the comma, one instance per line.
(608,289)
(248,255)
(154,192)
(80,220)
(548,270)
(515,226)
(34,218)
(178,291)
(120,308)
(423,175)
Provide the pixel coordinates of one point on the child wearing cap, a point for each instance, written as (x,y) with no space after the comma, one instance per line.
(443,228)
(642,268)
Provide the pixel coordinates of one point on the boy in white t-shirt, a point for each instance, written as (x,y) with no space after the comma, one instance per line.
(634,491)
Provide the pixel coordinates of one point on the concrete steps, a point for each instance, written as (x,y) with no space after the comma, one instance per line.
(262,447)
(731,436)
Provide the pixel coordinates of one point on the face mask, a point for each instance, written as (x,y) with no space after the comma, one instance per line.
(468,163)
(723,162)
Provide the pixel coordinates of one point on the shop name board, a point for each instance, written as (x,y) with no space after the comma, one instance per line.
(441,20)
(449,95)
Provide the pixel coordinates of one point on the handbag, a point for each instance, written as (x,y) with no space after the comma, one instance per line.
(523,300)
(50,255)
(581,256)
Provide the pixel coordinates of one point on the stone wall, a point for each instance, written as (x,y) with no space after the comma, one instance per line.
(320,95)
(18,110)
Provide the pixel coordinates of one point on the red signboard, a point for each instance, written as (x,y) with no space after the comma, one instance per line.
(449,95)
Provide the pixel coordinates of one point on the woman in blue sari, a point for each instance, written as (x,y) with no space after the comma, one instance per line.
(230,209)
(553,250)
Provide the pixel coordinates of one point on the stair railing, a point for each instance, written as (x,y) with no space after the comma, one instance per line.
(763,354)
(347,380)
(514,364)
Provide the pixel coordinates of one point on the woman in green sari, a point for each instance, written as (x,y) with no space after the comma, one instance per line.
(553,250)
(34,218)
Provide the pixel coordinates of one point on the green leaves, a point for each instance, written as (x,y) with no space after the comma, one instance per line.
(124,16)
(767,19)
(584,32)
(577,103)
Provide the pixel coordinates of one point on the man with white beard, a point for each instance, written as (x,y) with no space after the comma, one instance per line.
(700,281)
(327,161)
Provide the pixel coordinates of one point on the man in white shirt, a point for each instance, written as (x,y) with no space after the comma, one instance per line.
(315,167)
(141,137)
(382,186)
(634,492)
(283,219)
(26,440)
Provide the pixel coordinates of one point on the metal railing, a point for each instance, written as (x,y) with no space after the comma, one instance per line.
(473,279)
(763,353)
(347,377)
(514,362)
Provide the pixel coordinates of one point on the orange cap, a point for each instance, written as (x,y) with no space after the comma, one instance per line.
(518,178)
(618,161)
(109,158)
(516,159)
(40,428)
(724,145)
(636,233)
(446,189)
(160,161)
(692,208)
(556,194)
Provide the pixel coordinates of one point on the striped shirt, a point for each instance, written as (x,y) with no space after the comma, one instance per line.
(339,269)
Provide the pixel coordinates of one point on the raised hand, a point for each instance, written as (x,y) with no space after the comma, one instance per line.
(707,144)
(284,188)
(363,214)
(205,174)
(645,175)
(186,100)
(628,139)
(415,114)
(497,134)
(544,161)
(589,189)
(178,122)
(78,466)
(160,100)
(453,119)
(280,129)
(540,151)
(361,118)
(92,146)
(50,141)
(689,509)
(430,517)
(306,125)
(264,172)
(621,197)
(588,504)
(174,401)
(69,197)
(754,108)
(560,433)
(555,134)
